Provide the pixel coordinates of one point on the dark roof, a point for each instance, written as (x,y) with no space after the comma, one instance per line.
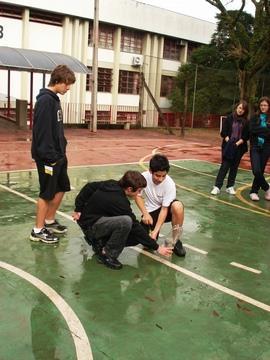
(37,61)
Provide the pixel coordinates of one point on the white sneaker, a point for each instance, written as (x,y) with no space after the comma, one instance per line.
(230,190)
(267,194)
(254,197)
(215,190)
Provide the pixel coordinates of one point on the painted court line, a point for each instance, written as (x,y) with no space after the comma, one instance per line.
(195,249)
(201,173)
(206,281)
(32,200)
(81,342)
(240,266)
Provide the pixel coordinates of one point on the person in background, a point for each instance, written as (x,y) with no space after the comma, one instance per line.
(158,204)
(103,212)
(49,153)
(260,148)
(235,134)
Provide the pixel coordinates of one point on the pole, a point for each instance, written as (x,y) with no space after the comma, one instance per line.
(194,96)
(93,123)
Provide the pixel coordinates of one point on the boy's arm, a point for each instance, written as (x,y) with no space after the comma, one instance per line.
(160,221)
(146,217)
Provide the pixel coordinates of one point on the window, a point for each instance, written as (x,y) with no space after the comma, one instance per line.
(104,80)
(128,82)
(46,18)
(105,36)
(167,85)
(131,41)
(10,11)
(171,49)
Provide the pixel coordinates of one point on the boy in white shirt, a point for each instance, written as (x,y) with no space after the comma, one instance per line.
(158,203)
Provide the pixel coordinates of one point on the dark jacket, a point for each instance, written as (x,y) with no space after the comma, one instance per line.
(227,131)
(256,130)
(107,198)
(48,140)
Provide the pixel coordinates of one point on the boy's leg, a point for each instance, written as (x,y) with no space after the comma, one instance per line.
(177,211)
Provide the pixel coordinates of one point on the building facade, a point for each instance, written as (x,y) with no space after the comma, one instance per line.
(134,38)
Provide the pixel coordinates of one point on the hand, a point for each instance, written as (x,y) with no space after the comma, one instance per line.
(165,251)
(154,235)
(76,216)
(147,219)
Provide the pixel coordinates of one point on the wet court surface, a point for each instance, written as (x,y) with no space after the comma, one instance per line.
(57,302)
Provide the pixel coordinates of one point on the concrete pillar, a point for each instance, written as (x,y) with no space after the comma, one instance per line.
(115,79)
(25,44)
(21,113)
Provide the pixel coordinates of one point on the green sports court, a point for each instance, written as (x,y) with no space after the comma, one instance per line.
(58,302)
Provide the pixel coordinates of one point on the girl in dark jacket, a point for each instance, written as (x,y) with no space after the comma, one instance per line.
(235,133)
(260,148)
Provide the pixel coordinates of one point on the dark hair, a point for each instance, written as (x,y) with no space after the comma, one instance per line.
(62,74)
(264,98)
(159,163)
(133,179)
(244,105)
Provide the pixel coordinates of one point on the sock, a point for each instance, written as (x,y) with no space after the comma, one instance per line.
(37,230)
(177,231)
(49,222)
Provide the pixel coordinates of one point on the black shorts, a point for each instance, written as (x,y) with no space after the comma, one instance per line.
(154,214)
(52,179)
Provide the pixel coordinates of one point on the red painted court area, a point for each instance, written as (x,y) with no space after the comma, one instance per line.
(115,146)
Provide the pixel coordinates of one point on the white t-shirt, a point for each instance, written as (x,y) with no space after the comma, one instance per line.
(159,195)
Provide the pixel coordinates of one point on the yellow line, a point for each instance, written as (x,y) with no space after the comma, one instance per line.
(250,203)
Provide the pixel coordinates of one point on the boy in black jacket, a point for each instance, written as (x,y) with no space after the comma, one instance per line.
(103,211)
(49,153)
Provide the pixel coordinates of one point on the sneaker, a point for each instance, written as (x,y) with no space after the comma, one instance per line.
(230,190)
(57,228)
(267,194)
(215,190)
(254,197)
(110,262)
(178,249)
(44,236)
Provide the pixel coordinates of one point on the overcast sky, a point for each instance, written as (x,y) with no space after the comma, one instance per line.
(197,8)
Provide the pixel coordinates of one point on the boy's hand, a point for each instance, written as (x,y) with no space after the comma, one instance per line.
(76,216)
(165,251)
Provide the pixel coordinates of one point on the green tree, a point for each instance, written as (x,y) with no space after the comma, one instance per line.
(245,40)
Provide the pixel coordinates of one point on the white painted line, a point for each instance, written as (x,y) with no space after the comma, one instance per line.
(206,281)
(240,266)
(81,342)
(32,200)
(195,249)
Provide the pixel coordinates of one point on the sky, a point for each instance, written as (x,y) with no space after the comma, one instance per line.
(198,8)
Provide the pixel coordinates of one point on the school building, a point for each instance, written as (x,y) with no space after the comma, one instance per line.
(136,41)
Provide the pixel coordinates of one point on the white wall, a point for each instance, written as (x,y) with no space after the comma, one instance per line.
(45,37)
(128,100)
(132,14)
(12,32)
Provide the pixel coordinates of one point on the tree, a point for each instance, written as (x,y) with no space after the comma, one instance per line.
(245,42)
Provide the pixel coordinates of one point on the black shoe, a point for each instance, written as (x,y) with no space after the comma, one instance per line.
(178,249)
(44,236)
(57,228)
(109,262)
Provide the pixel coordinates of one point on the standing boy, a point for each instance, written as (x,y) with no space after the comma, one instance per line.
(49,153)
(158,202)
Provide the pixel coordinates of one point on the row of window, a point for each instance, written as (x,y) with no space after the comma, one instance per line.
(129,82)
(131,40)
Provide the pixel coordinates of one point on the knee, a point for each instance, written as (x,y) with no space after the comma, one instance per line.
(126,222)
(177,207)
